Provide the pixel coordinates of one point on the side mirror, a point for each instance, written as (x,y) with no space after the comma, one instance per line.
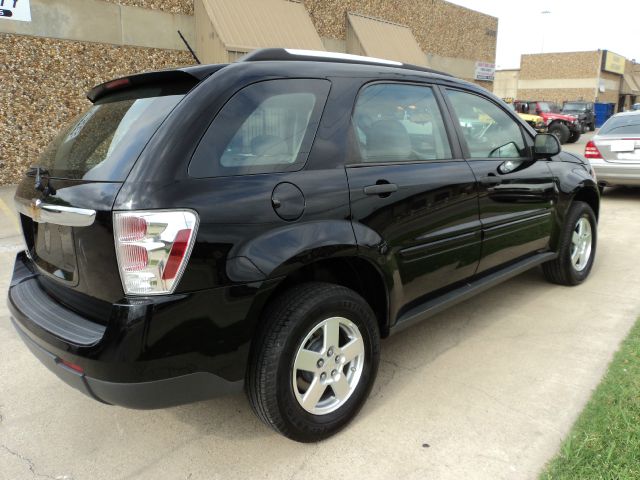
(546,145)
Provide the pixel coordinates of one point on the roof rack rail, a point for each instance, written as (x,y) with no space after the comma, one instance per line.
(290,54)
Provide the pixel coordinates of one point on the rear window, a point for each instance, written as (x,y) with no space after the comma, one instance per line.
(103,143)
(622,125)
(265,127)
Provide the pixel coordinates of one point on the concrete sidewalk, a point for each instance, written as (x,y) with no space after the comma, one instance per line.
(486,390)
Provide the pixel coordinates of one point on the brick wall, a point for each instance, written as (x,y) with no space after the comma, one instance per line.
(560,65)
(557,95)
(172,6)
(440,28)
(44,85)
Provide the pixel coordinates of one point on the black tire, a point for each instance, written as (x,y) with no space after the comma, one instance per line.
(561,131)
(562,270)
(287,323)
(592,127)
(574,136)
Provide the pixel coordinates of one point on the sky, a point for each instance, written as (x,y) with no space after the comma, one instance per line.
(571,26)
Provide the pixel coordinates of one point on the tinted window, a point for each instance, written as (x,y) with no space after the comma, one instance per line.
(488,130)
(266,127)
(103,143)
(395,122)
(622,125)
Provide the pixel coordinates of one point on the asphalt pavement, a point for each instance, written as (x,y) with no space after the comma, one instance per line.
(485,390)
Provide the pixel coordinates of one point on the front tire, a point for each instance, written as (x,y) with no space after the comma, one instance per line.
(561,131)
(577,247)
(314,362)
(592,127)
(574,136)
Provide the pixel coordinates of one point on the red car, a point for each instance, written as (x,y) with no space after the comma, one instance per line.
(567,128)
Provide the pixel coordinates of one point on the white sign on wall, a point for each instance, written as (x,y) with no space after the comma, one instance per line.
(485,71)
(15,10)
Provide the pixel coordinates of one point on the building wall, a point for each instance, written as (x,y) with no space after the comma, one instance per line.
(505,84)
(440,28)
(560,65)
(557,95)
(44,82)
(184,7)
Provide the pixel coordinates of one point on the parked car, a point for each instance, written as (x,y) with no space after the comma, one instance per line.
(536,121)
(264,224)
(635,106)
(614,153)
(583,111)
(566,128)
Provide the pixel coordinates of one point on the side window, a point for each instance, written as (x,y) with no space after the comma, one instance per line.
(488,131)
(395,123)
(265,127)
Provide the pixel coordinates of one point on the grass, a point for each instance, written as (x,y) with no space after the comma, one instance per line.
(605,441)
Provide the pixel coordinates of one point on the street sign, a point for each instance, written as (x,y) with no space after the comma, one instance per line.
(15,10)
(485,71)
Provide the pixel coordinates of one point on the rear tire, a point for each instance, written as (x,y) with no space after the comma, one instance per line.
(576,249)
(315,361)
(561,131)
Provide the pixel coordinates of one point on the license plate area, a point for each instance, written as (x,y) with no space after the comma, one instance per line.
(623,146)
(54,251)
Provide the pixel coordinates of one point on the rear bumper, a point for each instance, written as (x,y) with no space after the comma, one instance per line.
(141,395)
(150,353)
(611,173)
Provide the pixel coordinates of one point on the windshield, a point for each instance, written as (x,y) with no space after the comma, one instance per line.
(574,107)
(622,125)
(544,107)
(103,143)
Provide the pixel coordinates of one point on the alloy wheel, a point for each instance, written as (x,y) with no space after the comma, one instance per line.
(581,244)
(328,365)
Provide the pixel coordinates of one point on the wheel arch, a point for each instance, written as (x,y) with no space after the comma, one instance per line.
(589,195)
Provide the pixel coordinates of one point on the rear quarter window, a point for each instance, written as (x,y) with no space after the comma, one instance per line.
(265,127)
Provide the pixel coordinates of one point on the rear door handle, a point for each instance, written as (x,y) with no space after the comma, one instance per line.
(381,189)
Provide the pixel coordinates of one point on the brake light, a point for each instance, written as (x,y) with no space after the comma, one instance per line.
(153,248)
(591,151)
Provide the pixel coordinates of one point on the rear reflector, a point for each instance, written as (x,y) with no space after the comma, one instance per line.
(72,366)
(153,249)
(591,151)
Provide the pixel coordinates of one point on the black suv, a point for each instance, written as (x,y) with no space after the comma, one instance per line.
(584,111)
(265,223)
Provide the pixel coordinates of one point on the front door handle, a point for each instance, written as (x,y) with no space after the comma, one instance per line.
(381,189)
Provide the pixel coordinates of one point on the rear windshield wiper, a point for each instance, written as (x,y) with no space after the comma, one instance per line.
(39,172)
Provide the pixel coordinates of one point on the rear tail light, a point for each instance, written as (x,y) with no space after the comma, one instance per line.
(591,151)
(153,249)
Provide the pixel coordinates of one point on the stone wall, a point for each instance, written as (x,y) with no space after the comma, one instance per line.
(440,28)
(557,95)
(44,82)
(560,65)
(172,6)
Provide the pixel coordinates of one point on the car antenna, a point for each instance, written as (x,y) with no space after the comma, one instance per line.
(193,54)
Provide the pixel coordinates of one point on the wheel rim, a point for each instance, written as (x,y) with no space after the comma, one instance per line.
(581,244)
(328,365)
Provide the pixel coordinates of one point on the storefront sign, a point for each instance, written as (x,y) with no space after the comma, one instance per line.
(485,71)
(612,62)
(15,10)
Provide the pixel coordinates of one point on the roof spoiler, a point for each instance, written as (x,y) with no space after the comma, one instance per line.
(186,75)
(290,54)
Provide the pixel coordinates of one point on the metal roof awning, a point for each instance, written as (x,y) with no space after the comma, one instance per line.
(244,25)
(378,38)
(630,84)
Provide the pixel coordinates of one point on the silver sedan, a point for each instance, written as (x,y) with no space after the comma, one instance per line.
(614,152)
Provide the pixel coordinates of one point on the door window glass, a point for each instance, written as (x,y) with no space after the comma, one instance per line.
(488,131)
(394,123)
